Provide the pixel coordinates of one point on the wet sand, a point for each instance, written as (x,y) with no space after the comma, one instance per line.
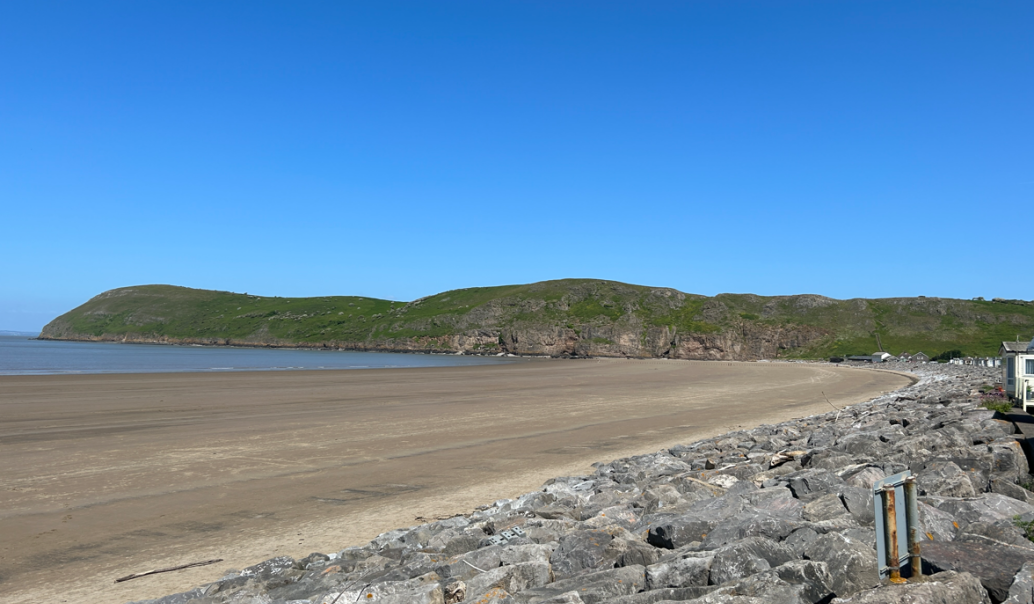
(105,475)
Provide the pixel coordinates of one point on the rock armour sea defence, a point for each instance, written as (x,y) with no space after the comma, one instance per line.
(775,514)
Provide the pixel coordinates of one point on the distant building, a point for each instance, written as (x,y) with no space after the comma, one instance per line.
(1018,371)
(880,357)
(863,358)
(920,357)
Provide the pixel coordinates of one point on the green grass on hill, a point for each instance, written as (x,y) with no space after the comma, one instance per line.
(837,327)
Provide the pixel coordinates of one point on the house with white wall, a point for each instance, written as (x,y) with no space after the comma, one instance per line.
(1018,371)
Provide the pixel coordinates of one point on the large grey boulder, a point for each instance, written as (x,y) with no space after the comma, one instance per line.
(681,572)
(425,590)
(512,578)
(591,587)
(664,594)
(747,557)
(814,578)
(942,588)
(812,484)
(825,508)
(851,561)
(946,479)
(1022,589)
(987,507)
(749,523)
(1009,460)
(696,523)
(859,503)
(777,501)
(936,525)
(801,539)
(579,551)
(995,565)
(1010,489)
(863,476)
(1003,531)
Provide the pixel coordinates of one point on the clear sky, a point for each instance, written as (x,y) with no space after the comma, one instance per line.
(396,150)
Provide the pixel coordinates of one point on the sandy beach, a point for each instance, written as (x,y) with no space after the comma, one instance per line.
(107,475)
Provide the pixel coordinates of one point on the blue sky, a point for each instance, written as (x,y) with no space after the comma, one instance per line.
(851,149)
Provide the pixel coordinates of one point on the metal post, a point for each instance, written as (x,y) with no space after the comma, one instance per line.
(891,523)
(912,515)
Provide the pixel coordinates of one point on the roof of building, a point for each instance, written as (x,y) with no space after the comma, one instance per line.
(1016,346)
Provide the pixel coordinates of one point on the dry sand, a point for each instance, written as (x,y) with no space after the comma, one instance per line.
(106,475)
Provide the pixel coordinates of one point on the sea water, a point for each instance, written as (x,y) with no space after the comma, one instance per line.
(21,355)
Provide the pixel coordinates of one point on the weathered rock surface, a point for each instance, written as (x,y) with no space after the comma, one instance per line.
(778,513)
(942,588)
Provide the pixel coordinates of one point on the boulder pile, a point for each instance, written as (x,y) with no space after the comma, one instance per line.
(776,514)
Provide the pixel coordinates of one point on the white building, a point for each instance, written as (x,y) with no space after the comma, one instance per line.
(879,357)
(1018,371)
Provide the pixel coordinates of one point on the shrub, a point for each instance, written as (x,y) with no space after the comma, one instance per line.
(948,355)
(1028,527)
(996,403)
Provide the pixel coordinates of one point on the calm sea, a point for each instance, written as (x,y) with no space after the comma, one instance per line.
(20,355)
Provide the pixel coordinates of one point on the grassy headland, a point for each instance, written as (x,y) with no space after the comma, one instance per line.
(581,317)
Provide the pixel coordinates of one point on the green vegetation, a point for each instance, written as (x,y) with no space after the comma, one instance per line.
(1028,527)
(999,405)
(594,311)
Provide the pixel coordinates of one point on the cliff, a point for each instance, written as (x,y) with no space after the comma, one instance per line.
(570,317)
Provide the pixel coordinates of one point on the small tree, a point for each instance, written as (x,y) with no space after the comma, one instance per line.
(948,355)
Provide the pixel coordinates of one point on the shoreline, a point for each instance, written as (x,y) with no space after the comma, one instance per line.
(504,429)
(733,515)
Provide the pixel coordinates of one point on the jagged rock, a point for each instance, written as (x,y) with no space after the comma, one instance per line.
(664,594)
(946,479)
(683,572)
(994,564)
(744,558)
(814,578)
(827,507)
(513,578)
(570,597)
(942,588)
(1010,489)
(454,592)
(800,540)
(592,587)
(852,562)
(988,507)
(859,503)
(936,525)
(696,523)
(796,582)
(416,591)
(1010,462)
(579,551)
(1003,531)
(812,484)
(1022,589)
(496,595)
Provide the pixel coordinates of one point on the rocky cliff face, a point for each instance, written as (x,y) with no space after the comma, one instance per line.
(745,344)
